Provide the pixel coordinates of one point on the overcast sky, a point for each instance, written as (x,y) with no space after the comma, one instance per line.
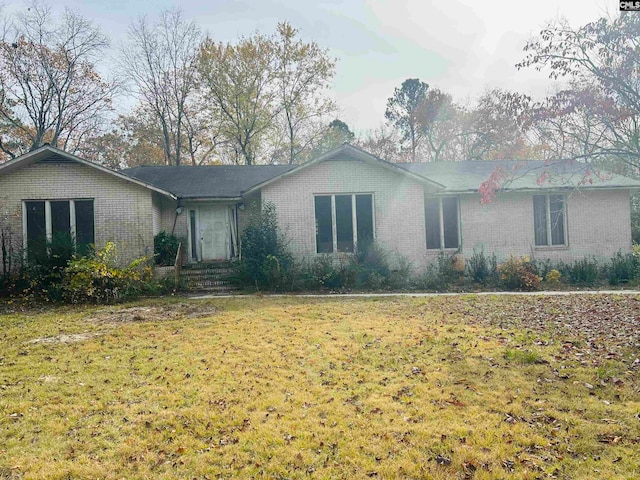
(459,46)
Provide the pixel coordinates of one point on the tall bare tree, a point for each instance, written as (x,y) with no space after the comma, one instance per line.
(160,59)
(50,90)
(602,61)
(304,72)
(496,127)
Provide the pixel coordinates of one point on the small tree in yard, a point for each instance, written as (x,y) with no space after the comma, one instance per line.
(265,259)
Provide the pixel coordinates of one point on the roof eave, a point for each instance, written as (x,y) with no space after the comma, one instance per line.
(212,199)
(354,152)
(542,189)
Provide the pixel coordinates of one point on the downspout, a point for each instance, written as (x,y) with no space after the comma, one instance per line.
(178,211)
(240,207)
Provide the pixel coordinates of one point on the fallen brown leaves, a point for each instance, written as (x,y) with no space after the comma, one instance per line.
(458,387)
(592,328)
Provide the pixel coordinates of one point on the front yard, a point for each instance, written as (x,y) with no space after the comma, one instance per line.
(452,387)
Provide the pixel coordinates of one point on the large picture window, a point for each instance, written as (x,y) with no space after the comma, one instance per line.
(56,222)
(442,222)
(343,221)
(549,219)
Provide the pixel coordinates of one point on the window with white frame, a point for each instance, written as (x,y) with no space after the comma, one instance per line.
(343,221)
(53,221)
(549,220)
(442,220)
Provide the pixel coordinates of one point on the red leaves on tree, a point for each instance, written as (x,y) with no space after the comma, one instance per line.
(489,187)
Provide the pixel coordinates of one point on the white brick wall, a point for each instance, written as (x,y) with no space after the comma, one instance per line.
(398,204)
(122,210)
(598,221)
(157,212)
(167,217)
(598,224)
(129,215)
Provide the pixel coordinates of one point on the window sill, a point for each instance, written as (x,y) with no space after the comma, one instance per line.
(445,250)
(335,254)
(545,248)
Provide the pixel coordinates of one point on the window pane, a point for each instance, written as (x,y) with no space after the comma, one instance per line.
(62,246)
(344,223)
(540,219)
(324,230)
(432,221)
(556,207)
(60,221)
(84,226)
(450,221)
(36,231)
(364,220)
(194,244)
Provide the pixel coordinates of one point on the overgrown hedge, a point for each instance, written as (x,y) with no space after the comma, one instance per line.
(268,265)
(58,274)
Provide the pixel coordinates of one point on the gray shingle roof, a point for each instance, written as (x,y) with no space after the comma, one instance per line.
(231,181)
(467,176)
(206,181)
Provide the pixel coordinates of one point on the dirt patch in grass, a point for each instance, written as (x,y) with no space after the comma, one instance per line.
(65,338)
(153,313)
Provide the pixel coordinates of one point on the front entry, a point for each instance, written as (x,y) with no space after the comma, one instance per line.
(214,232)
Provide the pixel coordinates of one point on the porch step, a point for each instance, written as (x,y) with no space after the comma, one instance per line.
(212,277)
(206,271)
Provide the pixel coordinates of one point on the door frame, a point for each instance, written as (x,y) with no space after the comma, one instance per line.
(230,237)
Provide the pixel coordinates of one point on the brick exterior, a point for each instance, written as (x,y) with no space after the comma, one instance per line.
(122,210)
(168,221)
(598,222)
(398,205)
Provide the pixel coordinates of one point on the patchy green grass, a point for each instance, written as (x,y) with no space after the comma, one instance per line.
(456,387)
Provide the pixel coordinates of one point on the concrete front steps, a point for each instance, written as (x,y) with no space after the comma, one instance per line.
(208,277)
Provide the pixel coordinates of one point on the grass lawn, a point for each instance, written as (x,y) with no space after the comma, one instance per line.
(455,387)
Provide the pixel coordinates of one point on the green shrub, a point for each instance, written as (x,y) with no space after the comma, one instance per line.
(40,276)
(441,274)
(95,278)
(165,248)
(543,266)
(623,268)
(519,274)
(401,276)
(371,262)
(266,261)
(324,273)
(482,269)
(581,272)
(368,268)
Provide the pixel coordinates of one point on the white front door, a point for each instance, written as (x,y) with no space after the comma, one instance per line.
(214,232)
